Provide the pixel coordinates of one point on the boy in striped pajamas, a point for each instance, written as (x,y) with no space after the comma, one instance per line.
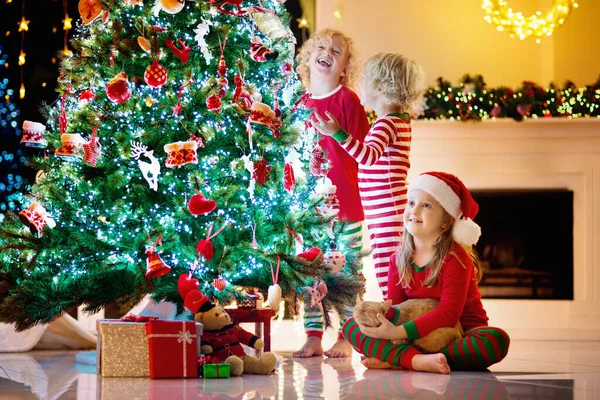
(391,85)
(436,261)
(327,64)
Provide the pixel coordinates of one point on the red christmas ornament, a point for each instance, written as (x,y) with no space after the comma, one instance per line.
(261,172)
(311,255)
(289,180)
(222,68)
(183,54)
(199,204)
(213,103)
(156,75)
(155,266)
(87,95)
(205,249)
(186,284)
(219,283)
(89,10)
(259,52)
(117,90)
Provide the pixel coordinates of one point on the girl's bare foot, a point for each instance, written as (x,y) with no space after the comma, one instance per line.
(431,363)
(340,349)
(434,383)
(374,363)
(311,348)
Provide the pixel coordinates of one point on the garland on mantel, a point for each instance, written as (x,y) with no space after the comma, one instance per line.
(472,100)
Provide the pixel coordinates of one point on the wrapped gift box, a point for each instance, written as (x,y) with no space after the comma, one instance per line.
(123,348)
(172,349)
(218,370)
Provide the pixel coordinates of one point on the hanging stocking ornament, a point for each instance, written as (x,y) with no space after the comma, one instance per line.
(205,247)
(274,293)
(155,266)
(33,134)
(36,218)
(262,172)
(92,149)
(318,162)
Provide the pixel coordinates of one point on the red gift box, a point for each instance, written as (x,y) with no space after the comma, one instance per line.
(172,347)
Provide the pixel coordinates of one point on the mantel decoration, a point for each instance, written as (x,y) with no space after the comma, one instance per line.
(540,24)
(472,100)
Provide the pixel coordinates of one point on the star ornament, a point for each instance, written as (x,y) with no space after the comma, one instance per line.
(177,109)
(67,23)
(23,25)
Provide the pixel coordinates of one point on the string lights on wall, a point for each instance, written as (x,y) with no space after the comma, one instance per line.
(538,25)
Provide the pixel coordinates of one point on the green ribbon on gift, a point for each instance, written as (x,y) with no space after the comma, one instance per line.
(220,370)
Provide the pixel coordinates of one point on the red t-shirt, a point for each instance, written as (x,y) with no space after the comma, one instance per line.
(458,293)
(345,106)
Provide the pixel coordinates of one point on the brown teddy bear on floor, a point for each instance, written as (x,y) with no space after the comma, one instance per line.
(222,339)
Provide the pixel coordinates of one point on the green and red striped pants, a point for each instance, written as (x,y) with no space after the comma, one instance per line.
(477,350)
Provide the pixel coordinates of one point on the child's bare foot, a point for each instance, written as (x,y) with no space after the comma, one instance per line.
(340,349)
(374,363)
(431,363)
(312,348)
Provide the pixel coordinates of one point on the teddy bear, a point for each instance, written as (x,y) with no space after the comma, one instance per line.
(365,313)
(220,337)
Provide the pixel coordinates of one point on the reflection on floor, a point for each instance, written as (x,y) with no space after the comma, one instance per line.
(532,370)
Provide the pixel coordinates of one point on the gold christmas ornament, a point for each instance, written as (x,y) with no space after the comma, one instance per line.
(540,24)
(172,6)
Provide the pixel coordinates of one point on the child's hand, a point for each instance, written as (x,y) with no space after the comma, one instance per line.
(326,128)
(386,330)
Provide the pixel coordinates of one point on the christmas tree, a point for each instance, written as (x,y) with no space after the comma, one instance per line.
(175,148)
(12,184)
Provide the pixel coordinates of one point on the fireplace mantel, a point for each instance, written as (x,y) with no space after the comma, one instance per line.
(533,154)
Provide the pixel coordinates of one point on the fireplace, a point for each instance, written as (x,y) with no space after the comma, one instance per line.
(526,247)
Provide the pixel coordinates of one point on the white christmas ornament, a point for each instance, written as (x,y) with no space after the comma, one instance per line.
(334,260)
(201,31)
(150,170)
(293,157)
(249,165)
(274,293)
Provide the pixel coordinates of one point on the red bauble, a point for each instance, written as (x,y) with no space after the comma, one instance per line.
(199,204)
(219,283)
(205,249)
(186,284)
(222,93)
(117,90)
(156,75)
(213,103)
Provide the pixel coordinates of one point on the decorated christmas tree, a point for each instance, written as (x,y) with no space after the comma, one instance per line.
(176,151)
(12,183)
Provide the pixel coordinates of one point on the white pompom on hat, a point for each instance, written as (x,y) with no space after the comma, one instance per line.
(456,199)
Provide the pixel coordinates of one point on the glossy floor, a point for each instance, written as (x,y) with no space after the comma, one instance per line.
(532,370)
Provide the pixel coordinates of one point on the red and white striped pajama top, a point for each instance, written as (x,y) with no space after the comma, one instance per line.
(383,163)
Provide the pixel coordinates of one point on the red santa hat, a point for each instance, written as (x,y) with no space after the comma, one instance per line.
(456,199)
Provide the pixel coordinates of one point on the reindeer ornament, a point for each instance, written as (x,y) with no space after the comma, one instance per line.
(150,170)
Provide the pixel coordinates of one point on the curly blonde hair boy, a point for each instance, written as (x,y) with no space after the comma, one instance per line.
(324,37)
(400,80)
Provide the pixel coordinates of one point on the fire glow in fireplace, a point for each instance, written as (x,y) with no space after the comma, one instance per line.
(526,246)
